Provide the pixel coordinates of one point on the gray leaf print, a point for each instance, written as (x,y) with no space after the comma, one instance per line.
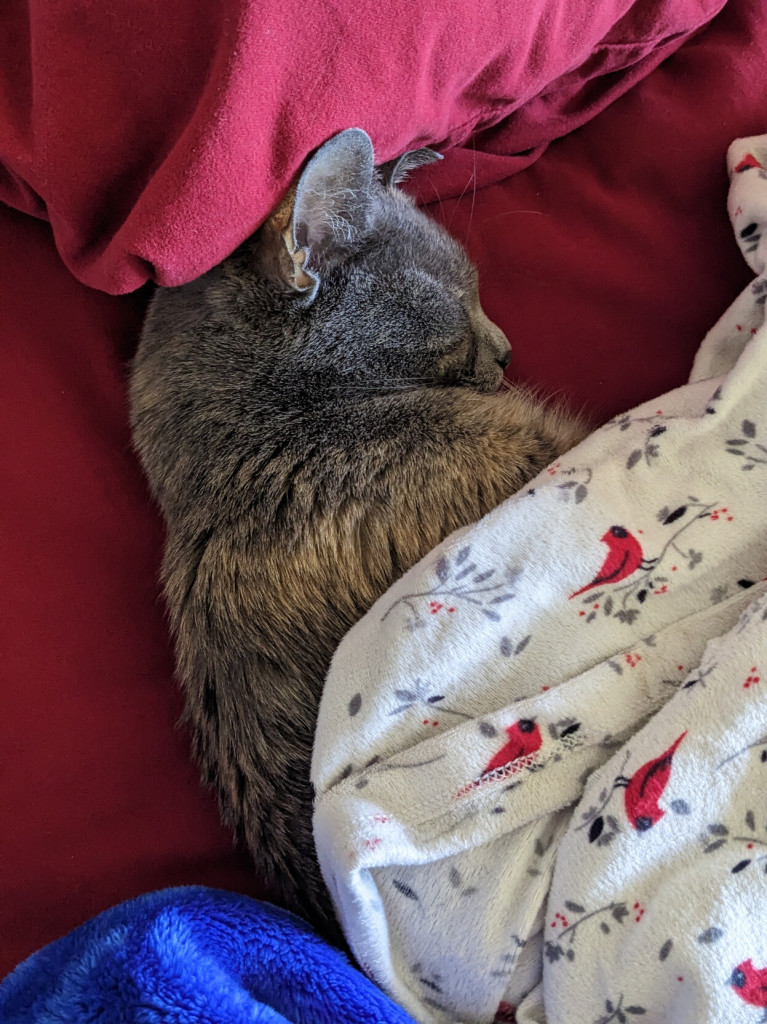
(665,949)
(710,935)
(522,644)
(462,555)
(748,428)
(406,891)
(355,704)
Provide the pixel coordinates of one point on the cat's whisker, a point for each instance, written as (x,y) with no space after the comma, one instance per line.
(512,213)
(472,177)
(473,194)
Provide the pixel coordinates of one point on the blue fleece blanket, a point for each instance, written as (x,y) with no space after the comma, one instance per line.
(192,956)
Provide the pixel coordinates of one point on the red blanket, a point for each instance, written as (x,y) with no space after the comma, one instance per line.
(156,137)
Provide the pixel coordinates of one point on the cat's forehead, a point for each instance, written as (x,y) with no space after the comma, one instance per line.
(401,233)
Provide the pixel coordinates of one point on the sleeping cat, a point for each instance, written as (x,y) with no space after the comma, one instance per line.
(314,415)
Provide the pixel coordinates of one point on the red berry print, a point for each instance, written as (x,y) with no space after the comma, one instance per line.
(639,911)
(435,606)
(739,327)
(752,678)
(451,610)
(552,470)
(661,590)
(632,659)
(721,513)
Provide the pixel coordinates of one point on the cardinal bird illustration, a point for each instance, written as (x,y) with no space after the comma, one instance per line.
(750,983)
(748,161)
(624,556)
(645,788)
(524,737)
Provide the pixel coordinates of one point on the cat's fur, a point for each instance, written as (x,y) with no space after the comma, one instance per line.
(314,415)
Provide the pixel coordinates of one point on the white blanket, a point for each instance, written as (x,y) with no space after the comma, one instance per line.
(541,758)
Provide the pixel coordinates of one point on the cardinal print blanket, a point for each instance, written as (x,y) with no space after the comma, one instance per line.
(541,758)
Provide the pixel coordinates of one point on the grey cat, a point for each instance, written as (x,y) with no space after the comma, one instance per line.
(314,415)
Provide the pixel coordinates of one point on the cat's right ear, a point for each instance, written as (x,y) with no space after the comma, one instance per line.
(395,171)
(329,212)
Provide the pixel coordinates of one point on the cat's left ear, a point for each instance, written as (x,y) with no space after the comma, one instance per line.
(395,171)
(331,209)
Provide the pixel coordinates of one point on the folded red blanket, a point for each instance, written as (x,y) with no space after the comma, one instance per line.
(156,137)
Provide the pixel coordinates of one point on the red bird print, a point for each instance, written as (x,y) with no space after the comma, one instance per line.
(624,556)
(748,161)
(750,983)
(645,788)
(524,737)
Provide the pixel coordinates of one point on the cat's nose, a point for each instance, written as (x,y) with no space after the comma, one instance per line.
(505,359)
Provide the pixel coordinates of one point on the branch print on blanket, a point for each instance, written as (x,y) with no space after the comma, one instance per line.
(417,695)
(650,449)
(748,847)
(577,484)
(618,1012)
(747,447)
(607,915)
(459,581)
(642,791)
(644,577)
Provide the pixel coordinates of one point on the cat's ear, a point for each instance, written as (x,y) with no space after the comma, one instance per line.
(331,208)
(395,171)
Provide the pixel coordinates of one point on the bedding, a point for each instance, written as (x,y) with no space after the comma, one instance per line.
(604,261)
(192,956)
(145,173)
(604,628)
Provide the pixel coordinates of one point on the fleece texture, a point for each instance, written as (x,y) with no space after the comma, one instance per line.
(155,138)
(192,956)
(567,648)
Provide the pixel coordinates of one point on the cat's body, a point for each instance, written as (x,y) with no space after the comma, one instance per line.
(314,415)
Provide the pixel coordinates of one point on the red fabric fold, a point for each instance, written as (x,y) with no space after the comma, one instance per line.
(156,137)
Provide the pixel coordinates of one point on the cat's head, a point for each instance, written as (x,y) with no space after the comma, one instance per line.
(374,291)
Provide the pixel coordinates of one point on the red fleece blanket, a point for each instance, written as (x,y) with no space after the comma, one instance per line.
(155,137)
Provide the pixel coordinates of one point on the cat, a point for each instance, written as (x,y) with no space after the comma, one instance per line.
(313,416)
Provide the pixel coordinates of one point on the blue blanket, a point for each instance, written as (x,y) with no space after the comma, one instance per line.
(192,956)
